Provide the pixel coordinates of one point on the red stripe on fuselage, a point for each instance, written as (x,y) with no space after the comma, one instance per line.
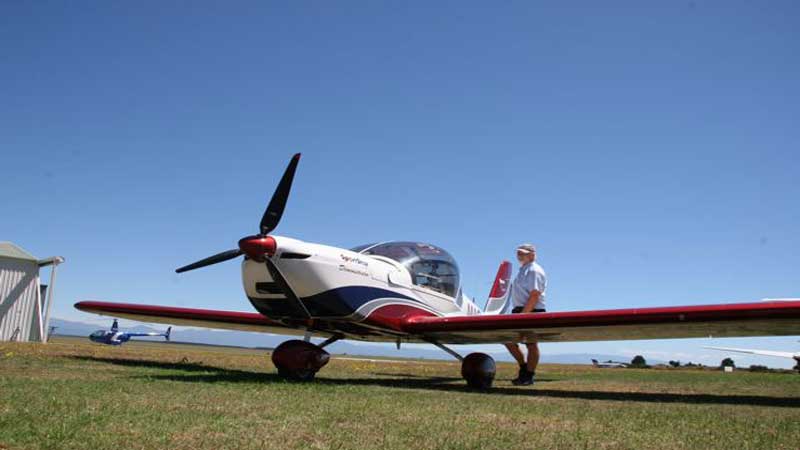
(394,317)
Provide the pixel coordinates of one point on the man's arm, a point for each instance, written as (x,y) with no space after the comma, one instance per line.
(532,299)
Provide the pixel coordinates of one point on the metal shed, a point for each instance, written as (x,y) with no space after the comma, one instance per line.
(25,303)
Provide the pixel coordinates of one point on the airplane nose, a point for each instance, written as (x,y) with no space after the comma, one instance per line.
(258,247)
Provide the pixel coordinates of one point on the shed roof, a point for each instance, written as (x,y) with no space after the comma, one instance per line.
(10,250)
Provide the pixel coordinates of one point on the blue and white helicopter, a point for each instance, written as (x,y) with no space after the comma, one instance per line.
(116,337)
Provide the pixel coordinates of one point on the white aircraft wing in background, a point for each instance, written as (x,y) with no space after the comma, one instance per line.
(789,355)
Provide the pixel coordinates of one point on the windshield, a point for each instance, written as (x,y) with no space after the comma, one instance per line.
(99,333)
(430,266)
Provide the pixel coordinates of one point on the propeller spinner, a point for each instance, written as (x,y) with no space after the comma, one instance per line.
(258,246)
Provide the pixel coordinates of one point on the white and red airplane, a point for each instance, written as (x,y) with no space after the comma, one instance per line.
(410,292)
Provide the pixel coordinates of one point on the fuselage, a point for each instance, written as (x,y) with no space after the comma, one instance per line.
(609,364)
(109,337)
(361,293)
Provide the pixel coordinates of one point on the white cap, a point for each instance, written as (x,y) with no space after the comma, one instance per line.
(526,248)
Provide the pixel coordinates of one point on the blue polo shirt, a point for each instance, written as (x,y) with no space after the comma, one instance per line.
(530,277)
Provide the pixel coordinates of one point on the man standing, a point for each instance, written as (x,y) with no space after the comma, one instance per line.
(527,296)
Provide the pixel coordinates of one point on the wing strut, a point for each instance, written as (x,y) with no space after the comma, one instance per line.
(449,351)
(330,340)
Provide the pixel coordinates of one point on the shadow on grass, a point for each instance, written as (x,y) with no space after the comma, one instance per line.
(185,366)
(212,374)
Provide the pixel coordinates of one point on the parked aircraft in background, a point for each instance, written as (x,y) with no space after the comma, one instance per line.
(398,291)
(795,356)
(609,364)
(116,337)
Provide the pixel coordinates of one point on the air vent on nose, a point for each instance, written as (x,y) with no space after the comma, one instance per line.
(291,255)
(268,288)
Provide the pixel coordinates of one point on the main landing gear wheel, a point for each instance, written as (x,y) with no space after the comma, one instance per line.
(299,360)
(479,370)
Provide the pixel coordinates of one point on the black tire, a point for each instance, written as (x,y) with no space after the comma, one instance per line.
(478,369)
(299,375)
(481,384)
(305,375)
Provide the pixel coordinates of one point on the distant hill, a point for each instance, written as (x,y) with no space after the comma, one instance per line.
(264,340)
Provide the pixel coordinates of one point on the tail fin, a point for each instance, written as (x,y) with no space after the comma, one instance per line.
(498,296)
(594,362)
(115,326)
(166,335)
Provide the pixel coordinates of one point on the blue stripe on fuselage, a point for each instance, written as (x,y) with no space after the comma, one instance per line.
(344,301)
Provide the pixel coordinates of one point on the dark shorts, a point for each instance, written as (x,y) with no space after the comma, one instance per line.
(518,310)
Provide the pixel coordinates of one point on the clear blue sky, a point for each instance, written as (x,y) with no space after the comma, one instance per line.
(650,151)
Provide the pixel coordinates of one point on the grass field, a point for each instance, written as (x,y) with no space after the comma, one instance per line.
(71,394)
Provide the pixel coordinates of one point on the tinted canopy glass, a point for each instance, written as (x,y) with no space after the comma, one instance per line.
(430,266)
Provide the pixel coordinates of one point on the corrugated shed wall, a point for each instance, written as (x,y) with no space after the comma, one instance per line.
(19,285)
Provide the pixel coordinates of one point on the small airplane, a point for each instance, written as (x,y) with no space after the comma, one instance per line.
(609,364)
(116,337)
(401,291)
(795,356)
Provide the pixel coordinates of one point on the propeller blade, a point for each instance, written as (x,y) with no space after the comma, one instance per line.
(274,210)
(278,278)
(218,258)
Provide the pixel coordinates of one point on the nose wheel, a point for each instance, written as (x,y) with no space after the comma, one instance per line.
(299,360)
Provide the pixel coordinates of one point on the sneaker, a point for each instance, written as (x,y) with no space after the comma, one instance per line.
(520,374)
(524,380)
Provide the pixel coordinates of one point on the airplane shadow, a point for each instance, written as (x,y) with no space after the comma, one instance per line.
(212,374)
(185,366)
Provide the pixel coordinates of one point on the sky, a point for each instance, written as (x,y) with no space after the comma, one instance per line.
(649,149)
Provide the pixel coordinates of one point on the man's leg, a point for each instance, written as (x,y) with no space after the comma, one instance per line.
(533,356)
(516,353)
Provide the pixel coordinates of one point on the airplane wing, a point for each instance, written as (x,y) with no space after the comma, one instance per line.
(757,352)
(774,318)
(207,318)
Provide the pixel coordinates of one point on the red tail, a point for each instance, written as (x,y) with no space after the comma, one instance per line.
(497,296)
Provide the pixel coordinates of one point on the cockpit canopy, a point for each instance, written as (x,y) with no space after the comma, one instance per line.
(429,266)
(98,334)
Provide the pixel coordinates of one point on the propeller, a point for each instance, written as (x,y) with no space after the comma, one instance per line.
(258,245)
(272,215)
(218,258)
